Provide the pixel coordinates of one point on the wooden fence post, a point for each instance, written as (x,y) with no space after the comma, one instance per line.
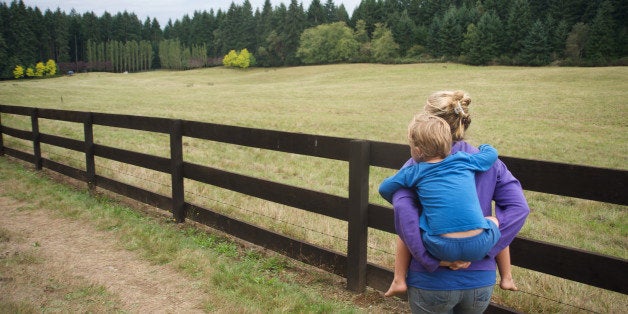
(358,213)
(176,170)
(36,138)
(1,141)
(90,163)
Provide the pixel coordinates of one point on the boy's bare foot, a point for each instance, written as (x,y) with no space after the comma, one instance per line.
(507,283)
(396,288)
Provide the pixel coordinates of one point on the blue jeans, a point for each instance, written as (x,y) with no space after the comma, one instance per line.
(449,301)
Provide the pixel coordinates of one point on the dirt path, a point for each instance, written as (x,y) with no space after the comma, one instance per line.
(58,255)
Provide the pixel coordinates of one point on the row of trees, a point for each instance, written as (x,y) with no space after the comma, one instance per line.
(174,55)
(117,56)
(523,32)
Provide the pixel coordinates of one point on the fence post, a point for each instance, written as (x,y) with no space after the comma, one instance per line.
(90,163)
(358,213)
(176,170)
(1,141)
(36,137)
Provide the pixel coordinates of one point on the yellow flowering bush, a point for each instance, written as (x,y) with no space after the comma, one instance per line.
(51,67)
(41,69)
(242,59)
(18,72)
(230,58)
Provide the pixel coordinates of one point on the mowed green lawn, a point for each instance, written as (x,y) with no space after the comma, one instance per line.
(570,115)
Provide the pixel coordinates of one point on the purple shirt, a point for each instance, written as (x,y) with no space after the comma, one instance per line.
(496,184)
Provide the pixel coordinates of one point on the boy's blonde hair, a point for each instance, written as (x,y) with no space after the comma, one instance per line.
(453,107)
(431,135)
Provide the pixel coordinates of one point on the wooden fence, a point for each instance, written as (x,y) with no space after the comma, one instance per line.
(599,184)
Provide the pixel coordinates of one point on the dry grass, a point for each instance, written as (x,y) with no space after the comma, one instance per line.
(572,115)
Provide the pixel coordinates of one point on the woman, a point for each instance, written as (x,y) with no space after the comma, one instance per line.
(456,289)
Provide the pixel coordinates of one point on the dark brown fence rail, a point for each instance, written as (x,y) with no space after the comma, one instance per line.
(599,184)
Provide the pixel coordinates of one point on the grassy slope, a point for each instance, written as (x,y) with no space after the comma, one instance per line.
(573,115)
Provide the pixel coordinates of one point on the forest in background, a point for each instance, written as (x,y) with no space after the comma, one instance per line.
(478,32)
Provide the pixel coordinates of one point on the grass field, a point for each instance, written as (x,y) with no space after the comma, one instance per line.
(571,115)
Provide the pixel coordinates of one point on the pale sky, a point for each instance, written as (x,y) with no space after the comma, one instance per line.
(161,9)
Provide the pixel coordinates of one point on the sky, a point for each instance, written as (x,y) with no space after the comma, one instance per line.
(161,9)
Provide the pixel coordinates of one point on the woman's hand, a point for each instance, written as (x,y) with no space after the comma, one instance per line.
(455,265)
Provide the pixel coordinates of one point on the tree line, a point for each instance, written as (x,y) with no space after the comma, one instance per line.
(509,32)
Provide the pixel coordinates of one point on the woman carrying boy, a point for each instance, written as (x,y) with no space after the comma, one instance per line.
(440,286)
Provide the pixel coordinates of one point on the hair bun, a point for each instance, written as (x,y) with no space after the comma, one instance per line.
(458,95)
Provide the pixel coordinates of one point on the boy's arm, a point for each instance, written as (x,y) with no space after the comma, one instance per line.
(390,185)
(484,159)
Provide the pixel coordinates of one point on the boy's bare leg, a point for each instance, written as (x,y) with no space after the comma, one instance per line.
(503,265)
(505,272)
(402,261)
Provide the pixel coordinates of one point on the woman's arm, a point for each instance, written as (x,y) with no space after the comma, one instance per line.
(407,226)
(511,207)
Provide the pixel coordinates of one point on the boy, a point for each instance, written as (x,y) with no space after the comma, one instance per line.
(453,227)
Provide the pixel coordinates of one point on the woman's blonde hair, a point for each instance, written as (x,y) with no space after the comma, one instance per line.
(453,107)
(431,135)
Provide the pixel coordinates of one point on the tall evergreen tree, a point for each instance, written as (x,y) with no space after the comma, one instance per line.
(404,31)
(518,25)
(247,33)
(451,33)
(294,24)
(272,51)
(499,7)
(76,40)
(600,48)
(203,25)
(433,42)
(90,27)
(331,12)
(226,35)
(558,33)
(126,27)
(536,47)
(58,24)
(6,66)
(265,25)
(424,11)
(371,12)
(343,15)
(483,43)
(568,10)
(316,14)
(20,35)
(106,26)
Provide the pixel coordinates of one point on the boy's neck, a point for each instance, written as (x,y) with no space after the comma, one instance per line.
(432,159)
